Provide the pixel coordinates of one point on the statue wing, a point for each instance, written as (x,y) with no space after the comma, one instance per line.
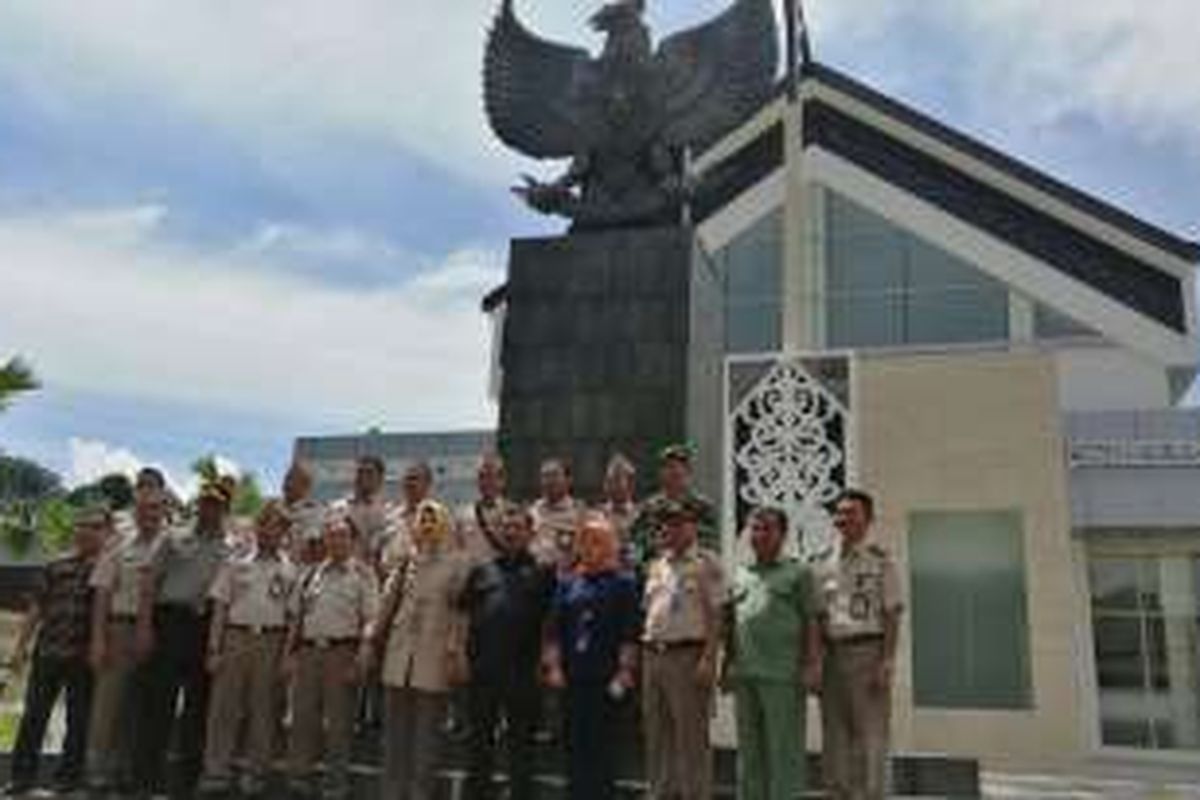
(716,75)
(531,89)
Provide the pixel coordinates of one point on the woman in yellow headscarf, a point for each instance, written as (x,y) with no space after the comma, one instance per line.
(592,654)
(423,653)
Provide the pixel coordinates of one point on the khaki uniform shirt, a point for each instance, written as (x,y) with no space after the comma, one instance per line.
(426,622)
(683,597)
(186,564)
(856,588)
(554,526)
(120,572)
(479,529)
(307,518)
(337,601)
(373,520)
(622,517)
(398,545)
(256,589)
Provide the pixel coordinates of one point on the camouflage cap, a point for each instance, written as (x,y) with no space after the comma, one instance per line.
(678,509)
(675,452)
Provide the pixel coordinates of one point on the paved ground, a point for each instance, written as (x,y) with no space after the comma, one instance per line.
(1002,787)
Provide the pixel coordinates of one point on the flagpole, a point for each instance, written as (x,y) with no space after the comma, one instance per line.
(791,11)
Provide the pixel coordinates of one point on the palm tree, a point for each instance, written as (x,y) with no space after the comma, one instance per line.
(15,377)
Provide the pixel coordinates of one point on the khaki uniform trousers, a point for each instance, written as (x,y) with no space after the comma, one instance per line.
(412,721)
(111,728)
(676,708)
(324,701)
(855,719)
(245,697)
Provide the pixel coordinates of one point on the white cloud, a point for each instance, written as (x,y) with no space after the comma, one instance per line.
(89,460)
(397,71)
(224,331)
(1032,62)
(271,73)
(116,226)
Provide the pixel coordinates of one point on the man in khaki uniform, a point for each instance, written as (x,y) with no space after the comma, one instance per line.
(681,646)
(369,510)
(556,516)
(334,607)
(304,514)
(117,582)
(620,504)
(250,605)
(860,595)
(173,683)
(415,488)
(479,525)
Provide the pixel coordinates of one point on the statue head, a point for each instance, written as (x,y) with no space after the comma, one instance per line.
(619,16)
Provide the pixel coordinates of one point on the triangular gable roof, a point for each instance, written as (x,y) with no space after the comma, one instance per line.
(1119,274)
(1082,201)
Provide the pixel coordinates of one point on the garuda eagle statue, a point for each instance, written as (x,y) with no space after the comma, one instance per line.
(627,118)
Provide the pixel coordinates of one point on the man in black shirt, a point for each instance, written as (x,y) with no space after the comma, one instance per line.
(506,601)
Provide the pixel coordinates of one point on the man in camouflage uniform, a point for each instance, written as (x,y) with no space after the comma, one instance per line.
(860,619)
(675,487)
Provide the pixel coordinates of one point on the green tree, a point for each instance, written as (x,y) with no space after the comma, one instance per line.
(55,525)
(114,491)
(24,487)
(248,498)
(22,479)
(247,495)
(16,377)
(205,468)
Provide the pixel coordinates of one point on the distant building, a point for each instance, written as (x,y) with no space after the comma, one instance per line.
(452,456)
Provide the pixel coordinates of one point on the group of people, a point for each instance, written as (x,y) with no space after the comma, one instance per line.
(555,613)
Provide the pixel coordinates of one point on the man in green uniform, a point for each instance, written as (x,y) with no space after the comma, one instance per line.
(675,488)
(772,614)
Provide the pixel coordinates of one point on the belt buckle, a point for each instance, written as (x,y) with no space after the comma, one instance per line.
(257,630)
(321,643)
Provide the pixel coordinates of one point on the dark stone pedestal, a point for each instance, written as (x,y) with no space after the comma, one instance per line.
(606,337)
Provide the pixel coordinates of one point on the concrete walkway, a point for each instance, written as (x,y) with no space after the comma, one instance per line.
(1045,787)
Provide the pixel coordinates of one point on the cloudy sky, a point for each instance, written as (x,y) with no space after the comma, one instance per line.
(224,223)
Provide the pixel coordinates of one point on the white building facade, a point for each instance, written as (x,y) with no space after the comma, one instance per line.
(1000,359)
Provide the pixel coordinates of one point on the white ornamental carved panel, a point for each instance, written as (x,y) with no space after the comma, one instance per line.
(788,442)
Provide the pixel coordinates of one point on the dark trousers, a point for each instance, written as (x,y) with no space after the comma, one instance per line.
(49,678)
(517,703)
(176,667)
(592,741)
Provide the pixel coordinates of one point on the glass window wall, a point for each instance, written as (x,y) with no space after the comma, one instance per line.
(1145,619)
